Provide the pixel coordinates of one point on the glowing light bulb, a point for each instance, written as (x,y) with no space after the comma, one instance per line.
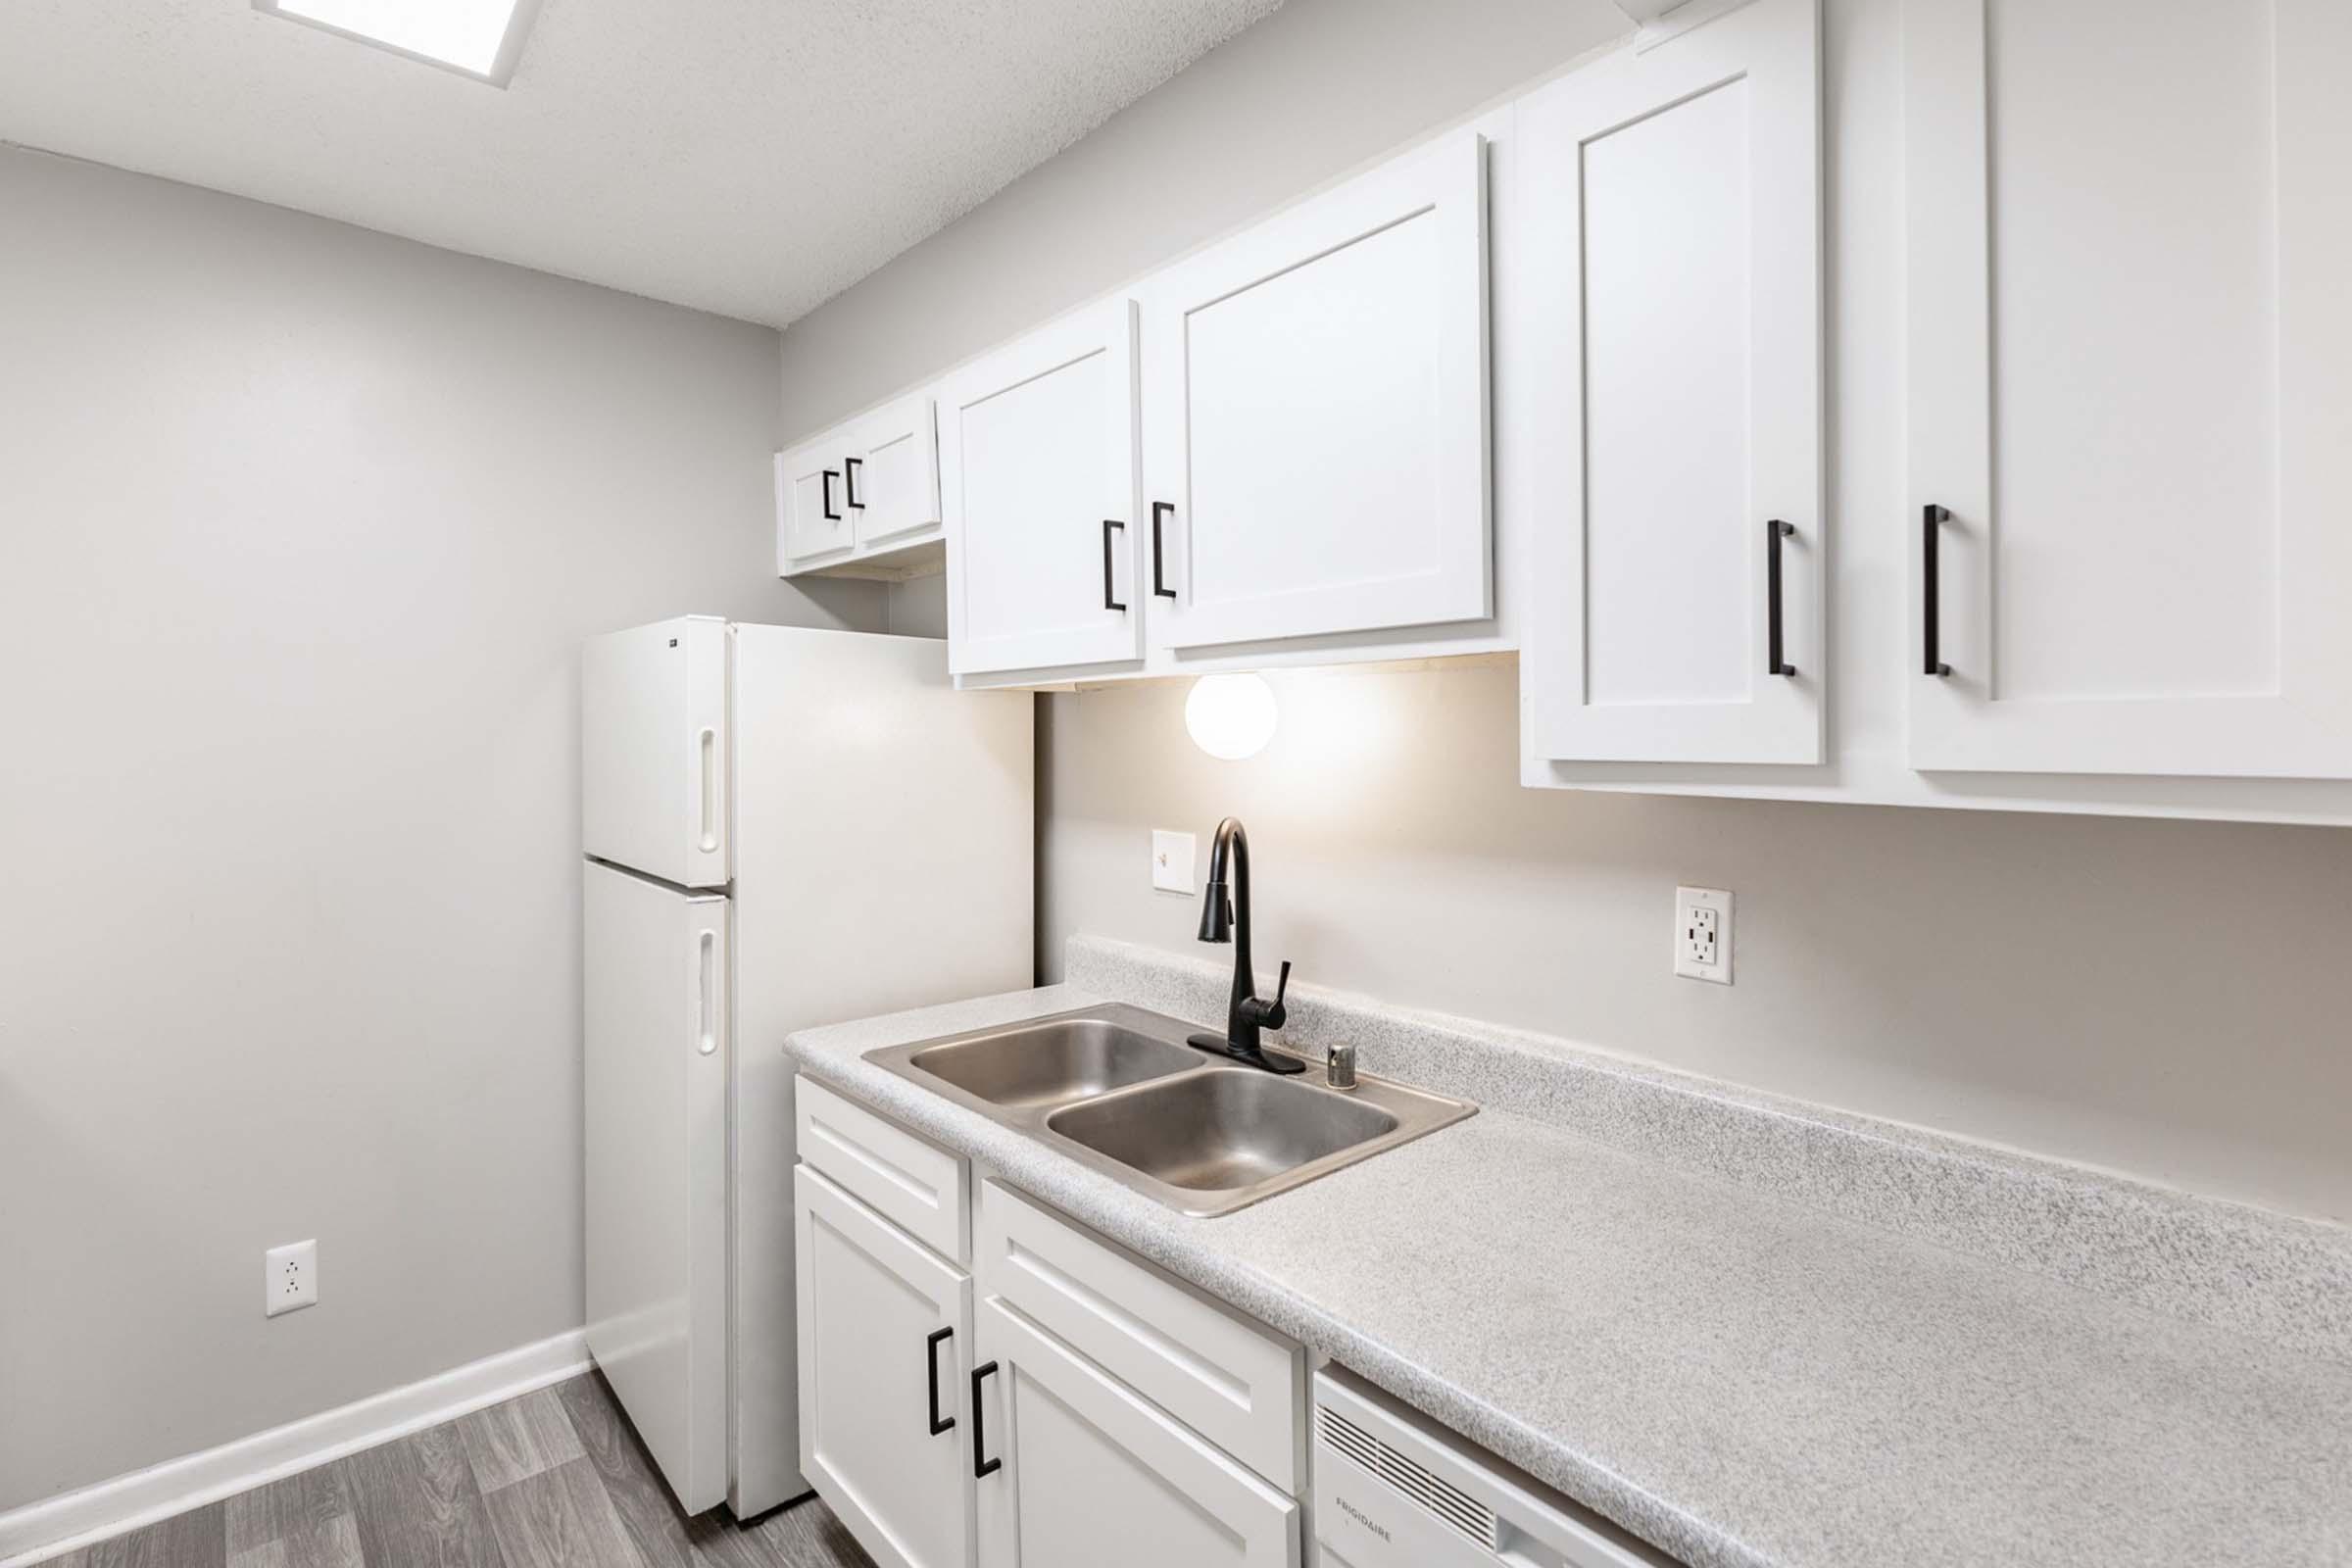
(1230,716)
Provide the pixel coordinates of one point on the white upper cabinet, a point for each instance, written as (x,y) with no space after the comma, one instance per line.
(1668,200)
(891,477)
(1038,453)
(2129,237)
(1315,411)
(813,518)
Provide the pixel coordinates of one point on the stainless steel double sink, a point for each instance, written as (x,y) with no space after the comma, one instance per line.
(1118,1089)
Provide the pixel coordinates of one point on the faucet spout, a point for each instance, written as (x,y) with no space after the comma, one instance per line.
(1225,917)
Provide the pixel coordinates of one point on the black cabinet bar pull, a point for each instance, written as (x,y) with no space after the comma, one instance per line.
(1160,586)
(825,483)
(1775,531)
(1108,523)
(982,1469)
(939,1424)
(849,482)
(1931,521)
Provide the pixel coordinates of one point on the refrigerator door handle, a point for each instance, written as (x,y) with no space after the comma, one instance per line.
(706,1030)
(707,744)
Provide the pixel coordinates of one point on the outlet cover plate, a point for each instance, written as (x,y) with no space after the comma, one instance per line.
(289,1277)
(1172,860)
(1702,935)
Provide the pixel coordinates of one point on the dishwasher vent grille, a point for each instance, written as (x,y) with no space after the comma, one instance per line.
(1434,1494)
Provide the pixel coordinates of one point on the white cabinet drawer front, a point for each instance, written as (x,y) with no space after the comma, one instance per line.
(1317,414)
(1093,1475)
(885,1335)
(1233,1381)
(917,1186)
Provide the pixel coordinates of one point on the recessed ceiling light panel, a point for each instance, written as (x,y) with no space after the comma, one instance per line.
(478,38)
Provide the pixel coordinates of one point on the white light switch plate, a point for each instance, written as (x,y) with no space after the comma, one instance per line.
(1703,934)
(1172,862)
(289,1277)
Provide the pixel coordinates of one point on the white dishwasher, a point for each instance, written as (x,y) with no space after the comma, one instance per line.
(1395,1491)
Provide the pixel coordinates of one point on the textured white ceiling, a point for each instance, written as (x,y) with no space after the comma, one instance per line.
(749,157)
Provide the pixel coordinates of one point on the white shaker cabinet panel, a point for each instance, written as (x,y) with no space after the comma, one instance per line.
(2130,230)
(1038,453)
(1084,1472)
(891,476)
(1668,204)
(885,1334)
(813,519)
(1316,415)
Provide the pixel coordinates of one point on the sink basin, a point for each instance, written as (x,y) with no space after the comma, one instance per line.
(1054,1062)
(1219,1131)
(1117,1088)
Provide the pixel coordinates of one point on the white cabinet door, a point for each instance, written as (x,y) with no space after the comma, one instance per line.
(2129,233)
(655,1066)
(890,478)
(1316,412)
(1084,1472)
(885,1337)
(1039,483)
(813,517)
(1669,202)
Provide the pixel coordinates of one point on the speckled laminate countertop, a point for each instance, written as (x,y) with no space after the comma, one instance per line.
(1741,1378)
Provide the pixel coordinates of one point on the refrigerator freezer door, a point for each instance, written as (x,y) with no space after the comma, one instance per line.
(655,750)
(657,1058)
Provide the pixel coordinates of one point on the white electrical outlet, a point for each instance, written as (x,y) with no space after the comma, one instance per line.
(1703,934)
(1172,862)
(289,1277)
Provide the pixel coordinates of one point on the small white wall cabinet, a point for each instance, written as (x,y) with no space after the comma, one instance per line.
(1083,1471)
(1669,203)
(885,1330)
(1316,418)
(2131,386)
(857,498)
(1039,473)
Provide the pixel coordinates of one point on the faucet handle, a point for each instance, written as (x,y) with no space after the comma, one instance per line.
(1272,1015)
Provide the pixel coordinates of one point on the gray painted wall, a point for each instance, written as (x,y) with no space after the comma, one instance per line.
(300,528)
(2161,998)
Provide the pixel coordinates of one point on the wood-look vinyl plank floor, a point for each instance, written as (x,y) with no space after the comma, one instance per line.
(553,1478)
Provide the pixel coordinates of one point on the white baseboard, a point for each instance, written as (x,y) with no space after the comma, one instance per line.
(74,1519)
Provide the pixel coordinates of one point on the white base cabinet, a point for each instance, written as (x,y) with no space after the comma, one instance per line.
(886,1333)
(1081,1471)
(1053,1412)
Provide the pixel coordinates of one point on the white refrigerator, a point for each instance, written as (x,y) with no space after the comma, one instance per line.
(782,828)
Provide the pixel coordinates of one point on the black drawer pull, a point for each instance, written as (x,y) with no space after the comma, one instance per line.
(982,1469)
(849,482)
(1108,523)
(1775,531)
(931,1375)
(1931,521)
(1160,586)
(825,484)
